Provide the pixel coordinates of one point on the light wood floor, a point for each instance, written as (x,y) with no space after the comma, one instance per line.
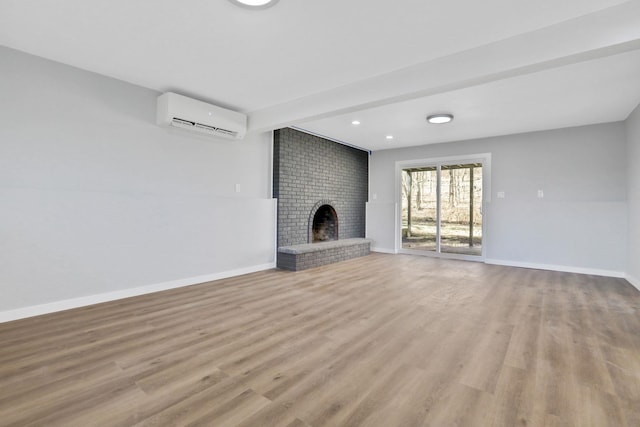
(377,341)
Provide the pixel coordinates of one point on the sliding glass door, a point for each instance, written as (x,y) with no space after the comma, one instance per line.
(441,208)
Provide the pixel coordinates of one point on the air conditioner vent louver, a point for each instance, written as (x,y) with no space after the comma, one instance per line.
(187,113)
(180,122)
(226,132)
(220,131)
(205,127)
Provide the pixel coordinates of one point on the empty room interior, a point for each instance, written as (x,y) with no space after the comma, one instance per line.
(320,213)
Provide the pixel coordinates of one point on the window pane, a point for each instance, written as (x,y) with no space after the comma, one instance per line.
(461,209)
(419,218)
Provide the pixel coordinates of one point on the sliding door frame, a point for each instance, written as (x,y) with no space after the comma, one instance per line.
(485,159)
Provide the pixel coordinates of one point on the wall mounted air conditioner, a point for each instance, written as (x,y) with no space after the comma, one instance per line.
(188,113)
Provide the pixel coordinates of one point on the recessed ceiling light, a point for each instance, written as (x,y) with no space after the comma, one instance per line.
(389,136)
(355,122)
(254,4)
(439,118)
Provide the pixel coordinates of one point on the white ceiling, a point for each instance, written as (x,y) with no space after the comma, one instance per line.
(501,66)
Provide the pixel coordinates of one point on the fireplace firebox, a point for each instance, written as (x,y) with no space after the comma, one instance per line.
(324,226)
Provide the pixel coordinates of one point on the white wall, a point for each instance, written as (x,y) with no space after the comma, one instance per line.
(633,196)
(97,201)
(579,225)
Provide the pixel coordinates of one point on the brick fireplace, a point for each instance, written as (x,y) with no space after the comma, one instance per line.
(322,188)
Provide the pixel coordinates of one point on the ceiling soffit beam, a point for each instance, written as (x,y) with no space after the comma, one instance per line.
(608,32)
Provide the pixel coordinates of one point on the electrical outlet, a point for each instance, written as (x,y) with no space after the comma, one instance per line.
(540,194)
(501,195)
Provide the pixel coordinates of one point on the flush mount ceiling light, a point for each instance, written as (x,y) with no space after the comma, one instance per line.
(439,119)
(254,4)
(389,136)
(355,122)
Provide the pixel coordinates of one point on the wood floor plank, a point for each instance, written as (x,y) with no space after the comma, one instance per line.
(271,415)
(483,369)
(199,405)
(380,341)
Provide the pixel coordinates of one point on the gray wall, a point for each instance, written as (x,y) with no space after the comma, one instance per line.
(96,198)
(308,169)
(580,224)
(633,185)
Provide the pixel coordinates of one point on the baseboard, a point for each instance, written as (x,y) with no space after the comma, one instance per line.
(383,250)
(634,281)
(37,310)
(563,268)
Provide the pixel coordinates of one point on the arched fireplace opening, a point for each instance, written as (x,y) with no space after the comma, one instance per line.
(325,224)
